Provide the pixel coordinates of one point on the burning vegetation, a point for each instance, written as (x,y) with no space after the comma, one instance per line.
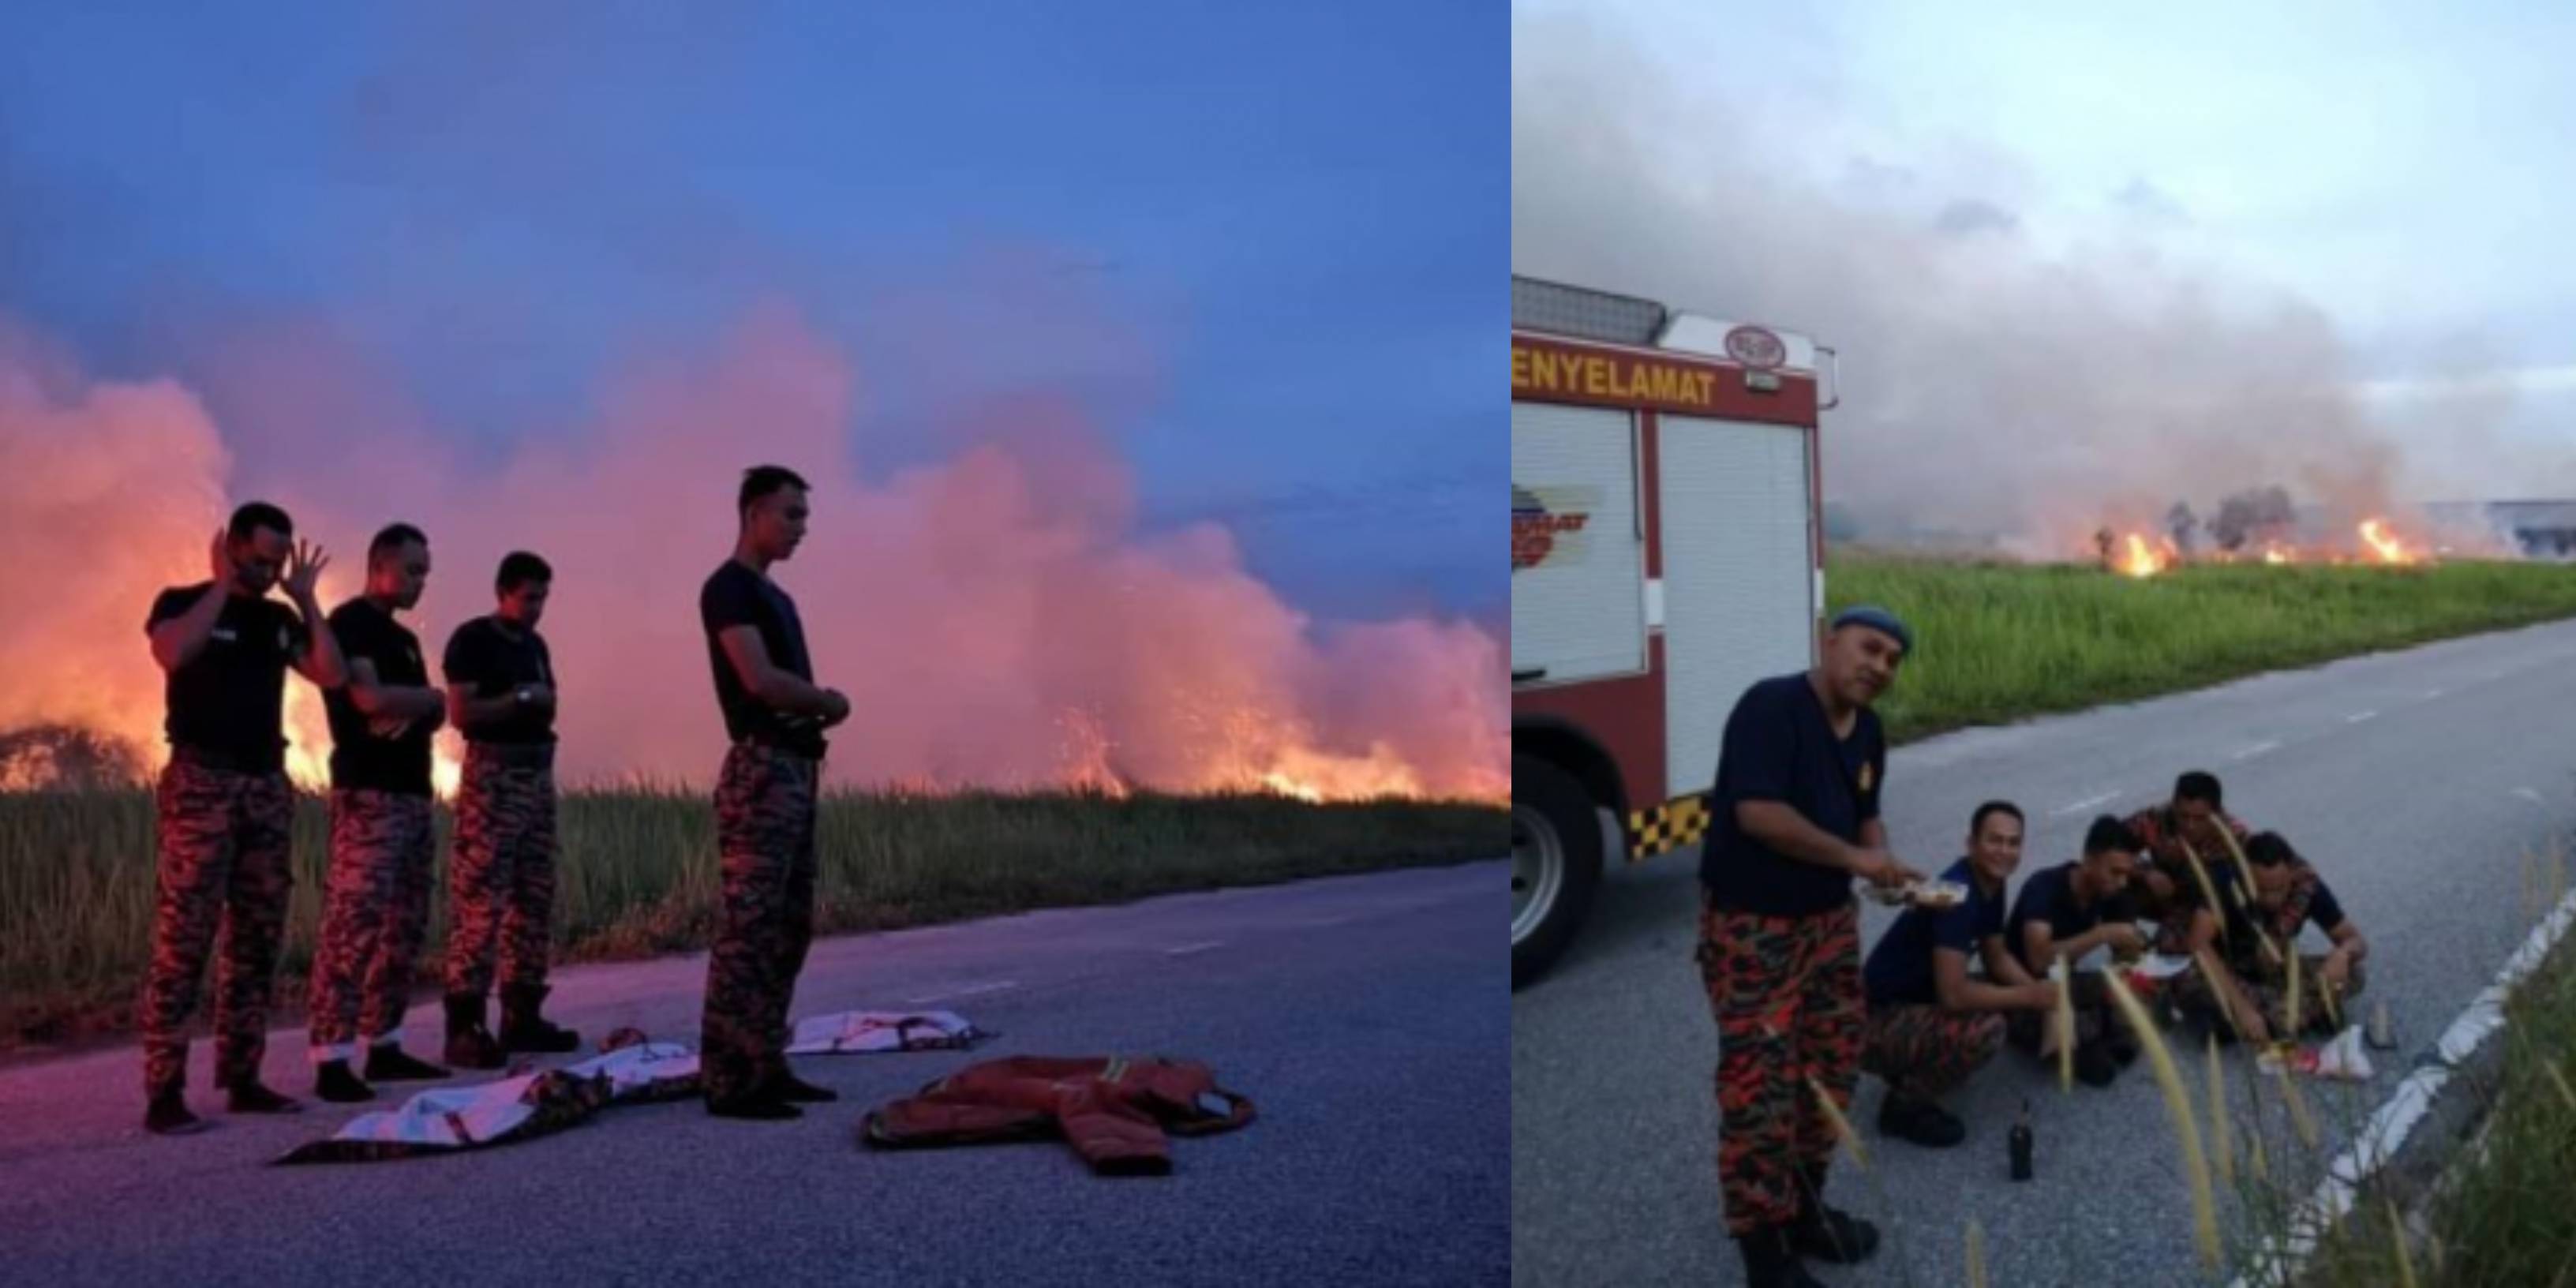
(2258,526)
(998,617)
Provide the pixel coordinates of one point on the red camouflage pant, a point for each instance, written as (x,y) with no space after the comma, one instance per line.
(1787,995)
(222,884)
(765,806)
(1924,1052)
(2196,994)
(501,870)
(375,913)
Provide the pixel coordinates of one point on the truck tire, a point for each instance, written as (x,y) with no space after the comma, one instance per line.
(1556,864)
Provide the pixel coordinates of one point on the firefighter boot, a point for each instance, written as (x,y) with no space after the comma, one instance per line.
(334,1082)
(1828,1234)
(523,1030)
(167,1115)
(1769,1261)
(469,1044)
(387,1062)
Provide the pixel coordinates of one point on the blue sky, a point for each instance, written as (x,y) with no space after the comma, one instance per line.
(1261,245)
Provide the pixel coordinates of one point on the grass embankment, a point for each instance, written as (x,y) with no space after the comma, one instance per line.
(638,874)
(2498,1217)
(2000,641)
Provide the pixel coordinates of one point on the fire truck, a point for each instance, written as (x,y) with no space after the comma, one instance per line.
(1667,552)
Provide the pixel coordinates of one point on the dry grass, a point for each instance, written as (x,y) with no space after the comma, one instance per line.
(638,872)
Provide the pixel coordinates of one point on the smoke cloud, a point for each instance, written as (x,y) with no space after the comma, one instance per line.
(1990,384)
(996,616)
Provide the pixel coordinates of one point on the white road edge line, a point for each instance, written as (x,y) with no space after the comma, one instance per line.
(2278,1262)
(2358,716)
(970,990)
(1185,950)
(2082,805)
(2257,749)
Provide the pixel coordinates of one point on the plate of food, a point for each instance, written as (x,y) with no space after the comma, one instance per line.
(1922,894)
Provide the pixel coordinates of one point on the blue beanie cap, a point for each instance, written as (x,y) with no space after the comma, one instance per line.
(1877,619)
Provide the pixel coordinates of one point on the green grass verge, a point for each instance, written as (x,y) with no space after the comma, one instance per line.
(2498,1217)
(1997,642)
(638,873)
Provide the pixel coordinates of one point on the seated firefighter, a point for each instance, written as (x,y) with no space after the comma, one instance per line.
(1931,1024)
(2165,889)
(2243,976)
(2063,914)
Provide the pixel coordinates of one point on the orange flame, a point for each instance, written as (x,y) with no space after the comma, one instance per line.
(2141,560)
(2386,546)
(1264,704)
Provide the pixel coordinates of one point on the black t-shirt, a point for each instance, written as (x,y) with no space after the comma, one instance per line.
(483,657)
(1780,747)
(737,596)
(1899,972)
(226,701)
(2049,896)
(360,761)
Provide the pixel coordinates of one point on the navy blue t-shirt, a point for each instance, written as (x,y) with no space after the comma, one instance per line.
(2325,912)
(1780,747)
(2049,896)
(1899,972)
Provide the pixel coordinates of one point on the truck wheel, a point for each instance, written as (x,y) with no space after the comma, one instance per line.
(1556,864)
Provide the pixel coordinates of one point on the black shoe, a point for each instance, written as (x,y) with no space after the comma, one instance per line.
(1832,1235)
(469,1044)
(254,1097)
(334,1082)
(754,1106)
(390,1064)
(2123,1050)
(794,1090)
(1921,1122)
(2095,1065)
(1770,1262)
(167,1115)
(522,1029)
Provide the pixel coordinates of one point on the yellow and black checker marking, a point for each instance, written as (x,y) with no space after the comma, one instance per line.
(1668,826)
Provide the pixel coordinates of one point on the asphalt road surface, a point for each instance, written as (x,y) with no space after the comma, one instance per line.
(1363,1015)
(2416,781)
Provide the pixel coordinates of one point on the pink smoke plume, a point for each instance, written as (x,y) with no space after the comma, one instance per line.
(998,618)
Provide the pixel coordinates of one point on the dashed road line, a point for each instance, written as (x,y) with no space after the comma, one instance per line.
(969,990)
(2248,753)
(2083,805)
(1185,950)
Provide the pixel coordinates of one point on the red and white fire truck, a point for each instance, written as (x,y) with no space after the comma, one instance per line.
(1667,552)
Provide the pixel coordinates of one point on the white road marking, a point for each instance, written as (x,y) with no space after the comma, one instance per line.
(2248,753)
(1186,949)
(2434,693)
(2529,794)
(2082,805)
(1319,923)
(2280,1258)
(969,990)
(2358,716)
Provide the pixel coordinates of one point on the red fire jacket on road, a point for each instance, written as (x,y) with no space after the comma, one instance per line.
(1113,1109)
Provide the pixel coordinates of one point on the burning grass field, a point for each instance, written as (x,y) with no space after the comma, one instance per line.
(638,874)
(2000,641)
